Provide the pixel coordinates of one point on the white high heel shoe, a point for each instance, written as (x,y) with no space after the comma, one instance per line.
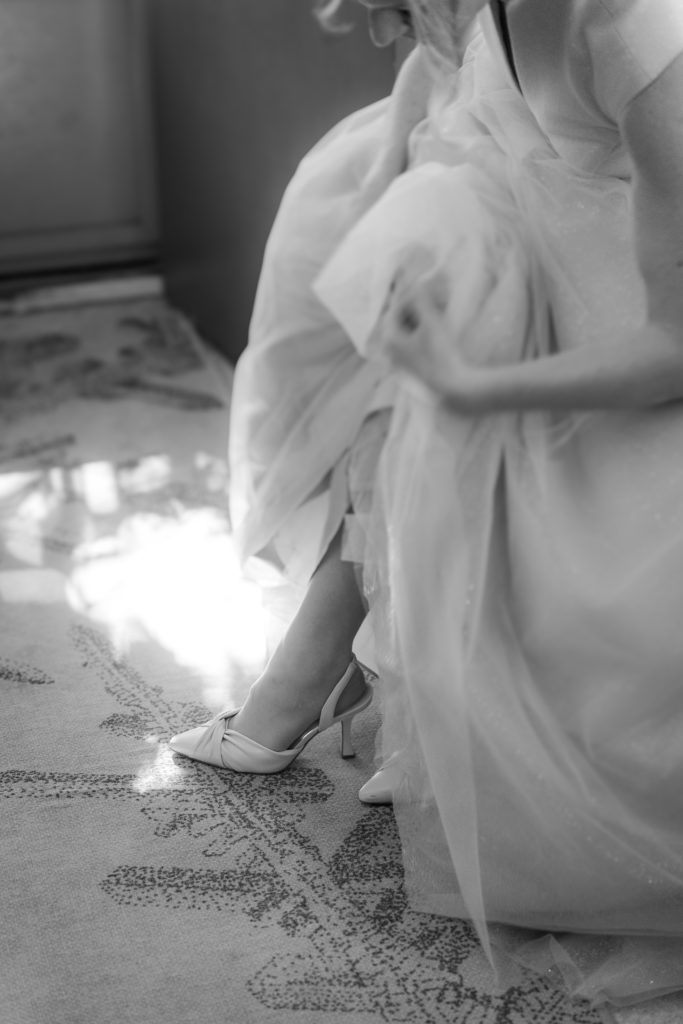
(379,789)
(217,744)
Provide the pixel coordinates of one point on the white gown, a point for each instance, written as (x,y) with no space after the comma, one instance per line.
(524,572)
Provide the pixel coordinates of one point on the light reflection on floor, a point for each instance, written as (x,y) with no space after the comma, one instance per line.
(113,500)
(179,582)
(162,772)
(144,550)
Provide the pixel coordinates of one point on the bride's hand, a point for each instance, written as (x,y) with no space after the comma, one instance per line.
(413,333)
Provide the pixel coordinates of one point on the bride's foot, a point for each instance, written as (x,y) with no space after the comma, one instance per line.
(310,683)
(283,704)
(221,744)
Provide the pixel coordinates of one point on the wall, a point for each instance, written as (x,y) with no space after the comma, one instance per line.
(242,89)
(76,176)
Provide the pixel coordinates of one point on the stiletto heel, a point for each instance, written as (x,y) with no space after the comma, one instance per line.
(217,744)
(347,741)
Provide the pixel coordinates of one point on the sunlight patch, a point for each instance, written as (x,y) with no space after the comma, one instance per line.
(162,773)
(178,581)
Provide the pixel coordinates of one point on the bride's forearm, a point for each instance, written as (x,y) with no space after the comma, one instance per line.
(647,368)
(644,370)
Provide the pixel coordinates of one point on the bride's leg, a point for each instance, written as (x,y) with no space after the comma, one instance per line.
(313,655)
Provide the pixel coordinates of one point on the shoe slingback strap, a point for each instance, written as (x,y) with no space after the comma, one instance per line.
(327,715)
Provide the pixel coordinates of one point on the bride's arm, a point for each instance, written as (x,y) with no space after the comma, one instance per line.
(644,369)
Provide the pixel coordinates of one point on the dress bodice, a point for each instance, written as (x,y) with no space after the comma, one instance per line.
(580,63)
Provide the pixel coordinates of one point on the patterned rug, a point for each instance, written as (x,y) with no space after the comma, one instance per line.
(139,887)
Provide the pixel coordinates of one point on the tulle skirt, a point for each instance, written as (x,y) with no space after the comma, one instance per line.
(524,573)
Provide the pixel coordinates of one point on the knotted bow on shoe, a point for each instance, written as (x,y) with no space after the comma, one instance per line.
(217,744)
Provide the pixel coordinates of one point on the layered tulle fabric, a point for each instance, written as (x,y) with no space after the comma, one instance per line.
(524,573)
(301,389)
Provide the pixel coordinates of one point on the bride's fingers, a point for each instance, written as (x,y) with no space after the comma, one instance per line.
(415,304)
(408,356)
(399,324)
(408,318)
(438,290)
(420,282)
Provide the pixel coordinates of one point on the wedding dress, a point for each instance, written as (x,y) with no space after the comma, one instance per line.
(524,572)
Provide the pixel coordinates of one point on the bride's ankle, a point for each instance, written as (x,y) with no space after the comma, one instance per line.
(305,679)
(281,706)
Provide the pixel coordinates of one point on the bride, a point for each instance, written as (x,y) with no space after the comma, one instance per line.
(465,374)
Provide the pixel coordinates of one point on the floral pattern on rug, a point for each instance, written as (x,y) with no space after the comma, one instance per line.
(368,953)
(39,371)
(114,532)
